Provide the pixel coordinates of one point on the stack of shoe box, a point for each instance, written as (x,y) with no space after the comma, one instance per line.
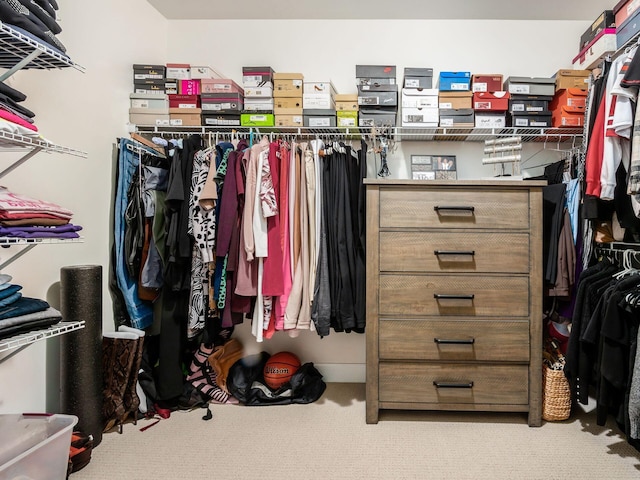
(176,72)
(148,102)
(287,99)
(222,102)
(490,102)
(149,79)
(258,97)
(377,95)
(455,99)
(184,95)
(318,104)
(529,103)
(347,109)
(419,98)
(190,87)
(569,101)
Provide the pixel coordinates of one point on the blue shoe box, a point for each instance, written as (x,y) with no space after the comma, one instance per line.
(454,81)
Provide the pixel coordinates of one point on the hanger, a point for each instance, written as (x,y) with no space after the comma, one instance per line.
(148,143)
(234,138)
(627,265)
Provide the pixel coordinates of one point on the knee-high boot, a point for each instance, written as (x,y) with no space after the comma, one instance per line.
(132,392)
(119,351)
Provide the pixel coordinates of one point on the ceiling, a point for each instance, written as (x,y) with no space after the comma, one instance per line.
(383,9)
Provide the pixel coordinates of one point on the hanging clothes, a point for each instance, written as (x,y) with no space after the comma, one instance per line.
(285,234)
(136,312)
(602,346)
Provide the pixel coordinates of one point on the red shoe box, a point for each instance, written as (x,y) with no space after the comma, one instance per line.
(491,101)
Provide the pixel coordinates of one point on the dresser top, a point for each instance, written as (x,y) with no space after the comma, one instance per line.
(464,183)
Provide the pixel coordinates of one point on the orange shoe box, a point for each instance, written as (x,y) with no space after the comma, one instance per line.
(570,97)
(565,116)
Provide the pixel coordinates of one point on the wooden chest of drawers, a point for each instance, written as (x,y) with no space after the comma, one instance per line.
(454,296)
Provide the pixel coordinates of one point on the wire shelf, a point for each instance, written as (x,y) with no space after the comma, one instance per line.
(24,339)
(8,241)
(15,46)
(445,134)
(10,140)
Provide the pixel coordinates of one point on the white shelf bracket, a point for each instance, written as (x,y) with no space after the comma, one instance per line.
(19,162)
(16,256)
(21,64)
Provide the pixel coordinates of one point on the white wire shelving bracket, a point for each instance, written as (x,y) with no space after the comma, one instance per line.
(30,243)
(19,51)
(9,140)
(20,341)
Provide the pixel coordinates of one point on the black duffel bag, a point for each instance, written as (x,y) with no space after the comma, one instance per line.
(246,383)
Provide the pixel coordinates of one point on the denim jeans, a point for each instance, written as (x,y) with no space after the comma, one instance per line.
(140,313)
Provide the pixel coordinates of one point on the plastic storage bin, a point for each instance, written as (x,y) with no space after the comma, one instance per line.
(35,447)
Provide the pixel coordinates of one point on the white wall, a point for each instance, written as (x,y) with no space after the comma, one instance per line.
(329,50)
(85,112)
(88,111)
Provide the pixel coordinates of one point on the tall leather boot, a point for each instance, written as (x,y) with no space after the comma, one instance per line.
(133,391)
(119,349)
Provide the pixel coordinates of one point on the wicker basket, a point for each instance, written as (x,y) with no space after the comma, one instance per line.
(556,395)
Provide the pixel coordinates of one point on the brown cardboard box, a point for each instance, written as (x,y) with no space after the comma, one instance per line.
(455,100)
(287,102)
(572,79)
(185,117)
(149,116)
(346,102)
(289,121)
(287,85)
(287,111)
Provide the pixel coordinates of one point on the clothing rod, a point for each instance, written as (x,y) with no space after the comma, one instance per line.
(618,246)
(293,131)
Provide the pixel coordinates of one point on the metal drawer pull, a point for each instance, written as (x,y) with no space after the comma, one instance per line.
(452,385)
(443,341)
(440,296)
(437,208)
(454,252)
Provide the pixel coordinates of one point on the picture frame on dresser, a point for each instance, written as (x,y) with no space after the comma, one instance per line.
(433,167)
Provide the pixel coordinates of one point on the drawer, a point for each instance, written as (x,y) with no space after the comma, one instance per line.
(449,340)
(473,295)
(458,384)
(408,251)
(453,208)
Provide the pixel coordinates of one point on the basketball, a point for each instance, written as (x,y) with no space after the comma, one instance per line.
(279,369)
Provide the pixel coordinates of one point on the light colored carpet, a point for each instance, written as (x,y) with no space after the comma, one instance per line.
(330,440)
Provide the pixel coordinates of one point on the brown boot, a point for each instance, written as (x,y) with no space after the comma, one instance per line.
(131,399)
(119,349)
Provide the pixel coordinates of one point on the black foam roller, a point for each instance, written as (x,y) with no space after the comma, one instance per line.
(81,351)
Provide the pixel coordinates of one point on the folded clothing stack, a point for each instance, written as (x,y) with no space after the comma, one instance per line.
(25,217)
(12,111)
(33,18)
(20,314)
